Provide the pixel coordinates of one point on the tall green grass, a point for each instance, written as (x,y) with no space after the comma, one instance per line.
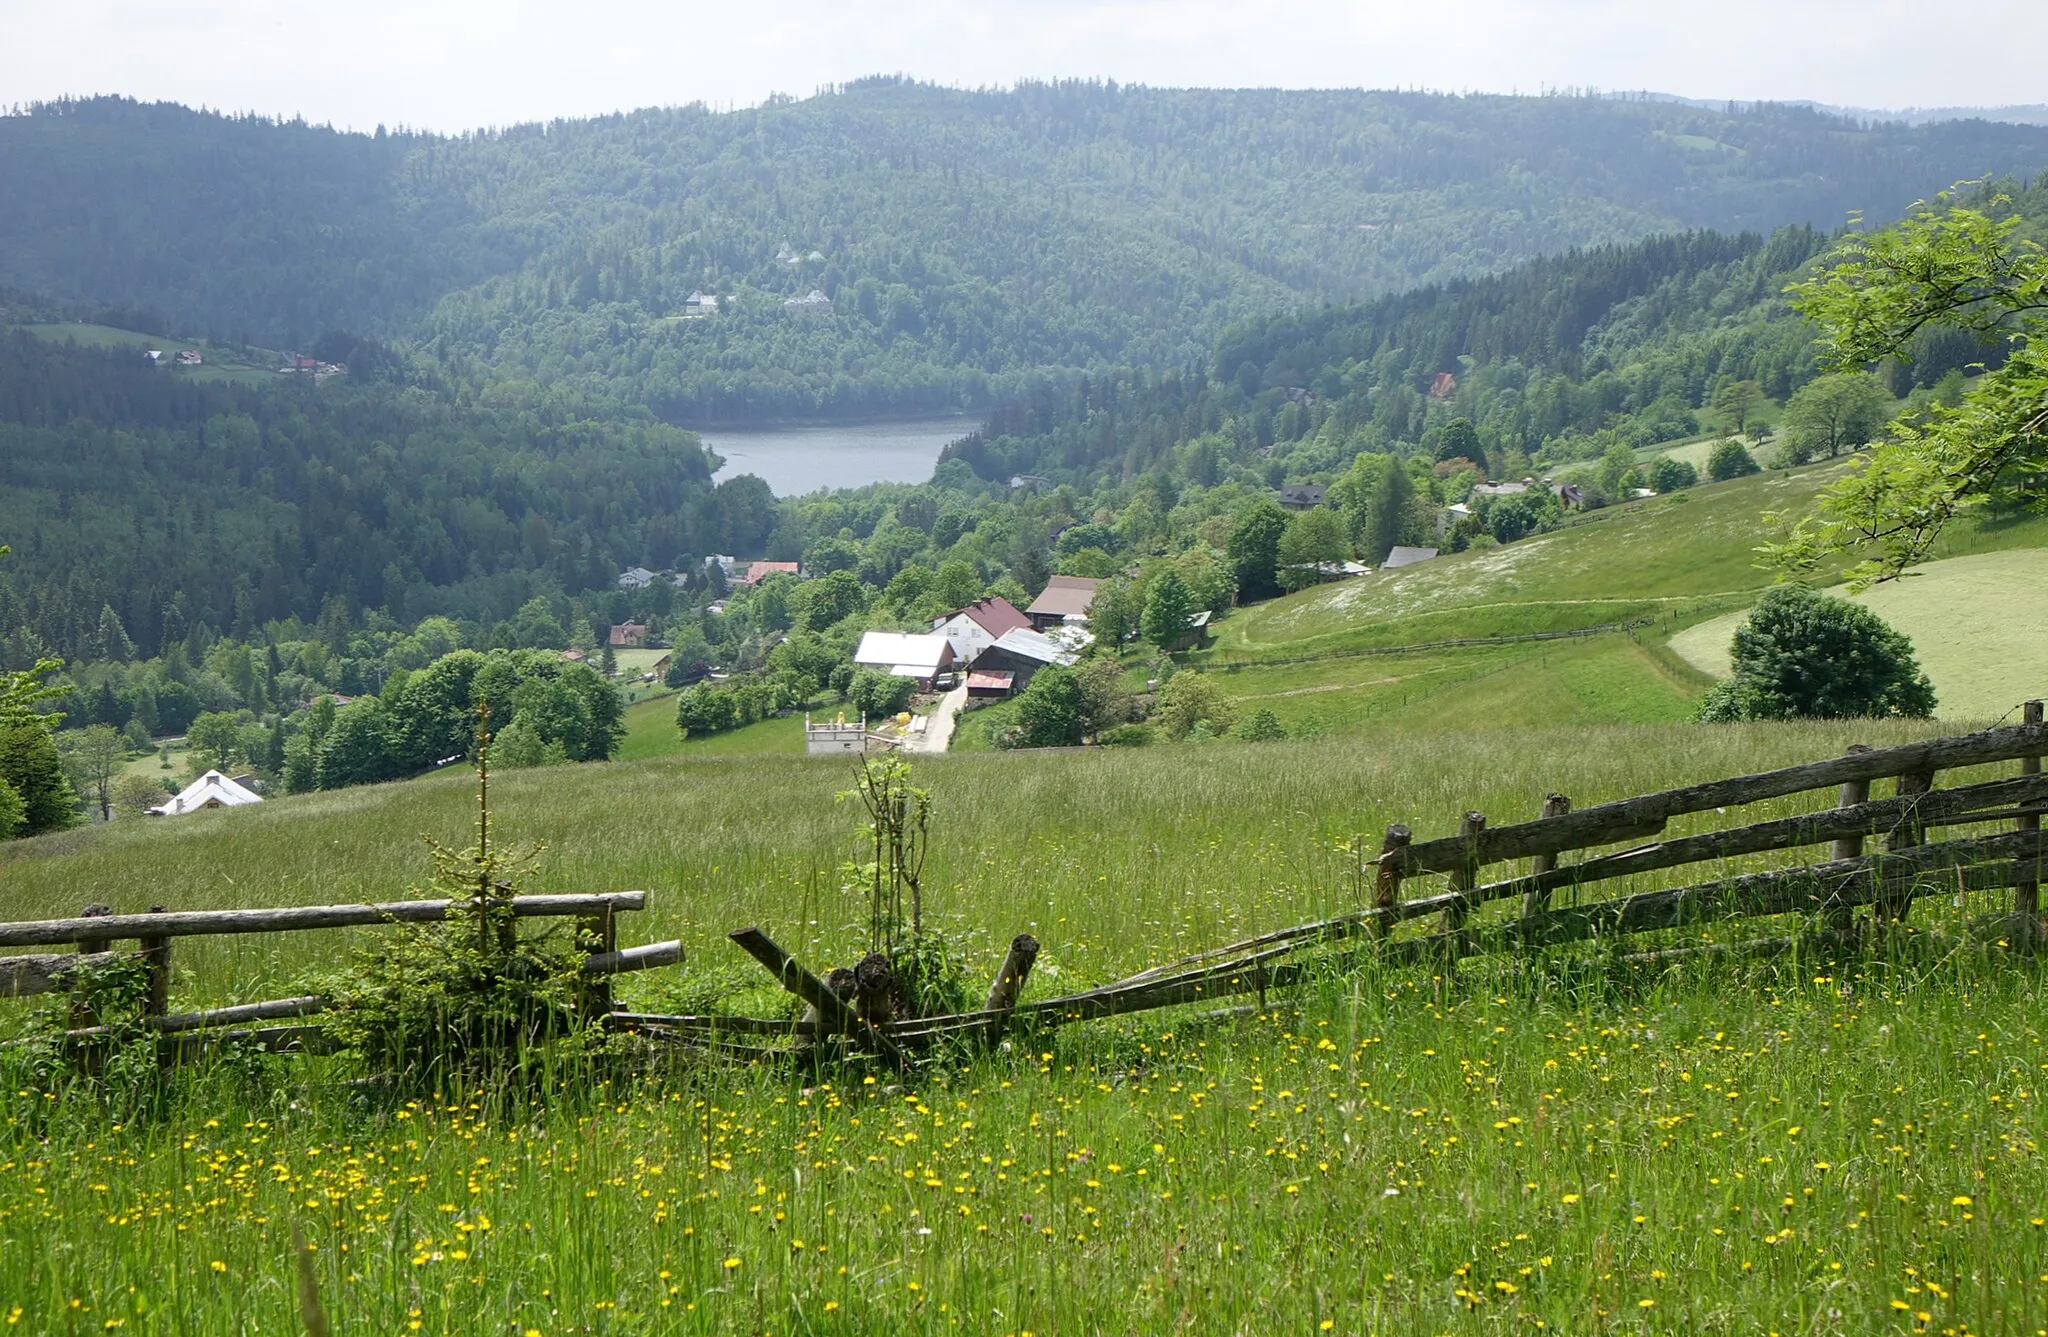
(1796,1145)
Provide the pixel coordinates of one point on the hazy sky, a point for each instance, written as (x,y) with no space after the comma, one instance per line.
(455,64)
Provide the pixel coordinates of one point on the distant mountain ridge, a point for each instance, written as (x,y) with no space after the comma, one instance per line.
(964,245)
(2020,113)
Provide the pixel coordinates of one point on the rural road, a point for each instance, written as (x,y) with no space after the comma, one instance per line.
(939,732)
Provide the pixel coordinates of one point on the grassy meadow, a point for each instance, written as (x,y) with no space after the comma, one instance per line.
(1570,1145)
(1362,653)
(1979,626)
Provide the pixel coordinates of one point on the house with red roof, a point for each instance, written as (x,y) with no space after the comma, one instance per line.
(975,628)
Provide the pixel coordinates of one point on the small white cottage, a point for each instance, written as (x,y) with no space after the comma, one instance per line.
(211,790)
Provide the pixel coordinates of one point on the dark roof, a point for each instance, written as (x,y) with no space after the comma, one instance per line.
(1302,494)
(1065,596)
(994,616)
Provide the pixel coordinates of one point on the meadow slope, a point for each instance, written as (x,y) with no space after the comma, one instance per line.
(1573,1147)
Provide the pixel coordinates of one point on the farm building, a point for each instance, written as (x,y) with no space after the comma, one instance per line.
(1016,655)
(760,571)
(1064,599)
(978,626)
(1197,634)
(211,790)
(627,635)
(905,654)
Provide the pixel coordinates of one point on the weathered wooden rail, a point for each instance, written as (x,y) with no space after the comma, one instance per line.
(92,934)
(1884,882)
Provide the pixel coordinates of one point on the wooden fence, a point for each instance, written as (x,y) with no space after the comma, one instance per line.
(1882,882)
(1853,893)
(92,934)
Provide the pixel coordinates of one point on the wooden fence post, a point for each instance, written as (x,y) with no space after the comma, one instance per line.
(831,1008)
(156,958)
(1852,793)
(1537,901)
(598,933)
(1466,876)
(1009,982)
(1386,891)
(2026,895)
(1908,834)
(83,1013)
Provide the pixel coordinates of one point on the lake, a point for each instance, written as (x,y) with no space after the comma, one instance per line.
(796,460)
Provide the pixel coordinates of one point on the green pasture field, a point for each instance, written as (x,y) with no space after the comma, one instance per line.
(1685,550)
(1799,1145)
(257,366)
(651,732)
(1979,626)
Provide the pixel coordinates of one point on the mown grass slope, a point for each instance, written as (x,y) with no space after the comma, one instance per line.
(1979,626)
(1684,565)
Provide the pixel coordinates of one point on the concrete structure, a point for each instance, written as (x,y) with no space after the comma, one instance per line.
(836,736)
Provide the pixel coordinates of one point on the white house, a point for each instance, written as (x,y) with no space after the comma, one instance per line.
(905,654)
(635,578)
(978,626)
(211,790)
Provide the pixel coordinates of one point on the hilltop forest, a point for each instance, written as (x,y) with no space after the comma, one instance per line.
(969,247)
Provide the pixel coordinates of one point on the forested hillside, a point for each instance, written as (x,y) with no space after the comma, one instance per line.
(967,242)
(124,486)
(1561,358)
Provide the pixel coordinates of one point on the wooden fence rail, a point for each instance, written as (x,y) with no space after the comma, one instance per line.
(1829,892)
(95,931)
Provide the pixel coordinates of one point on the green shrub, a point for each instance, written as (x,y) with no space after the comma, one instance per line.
(1262,727)
(468,998)
(1665,474)
(1803,655)
(879,695)
(1052,712)
(1731,459)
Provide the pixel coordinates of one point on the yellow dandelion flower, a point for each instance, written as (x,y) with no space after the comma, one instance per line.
(731,1263)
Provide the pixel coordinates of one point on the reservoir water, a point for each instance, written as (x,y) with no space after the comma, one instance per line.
(796,460)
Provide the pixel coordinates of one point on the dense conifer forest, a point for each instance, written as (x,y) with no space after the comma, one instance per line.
(969,247)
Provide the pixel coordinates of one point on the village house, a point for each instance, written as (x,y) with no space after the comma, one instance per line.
(905,654)
(757,572)
(635,578)
(814,301)
(1064,599)
(1302,496)
(211,790)
(976,627)
(190,357)
(1007,667)
(627,636)
(1403,556)
(1502,489)
(700,304)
